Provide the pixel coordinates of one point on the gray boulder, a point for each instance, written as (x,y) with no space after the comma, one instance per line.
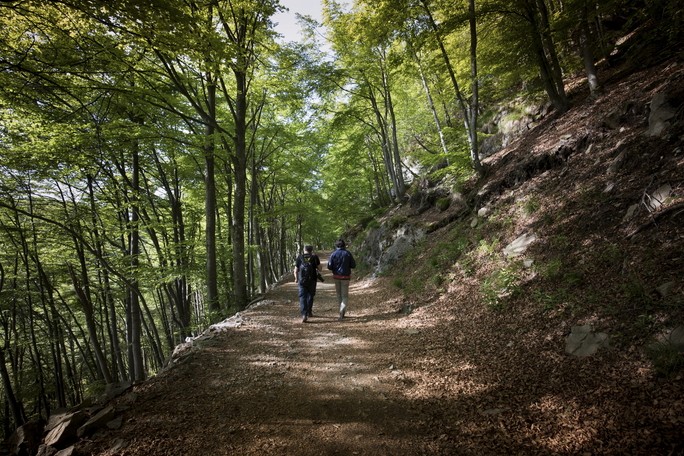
(661,114)
(583,341)
(64,433)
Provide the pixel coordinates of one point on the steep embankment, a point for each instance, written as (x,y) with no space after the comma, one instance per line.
(598,193)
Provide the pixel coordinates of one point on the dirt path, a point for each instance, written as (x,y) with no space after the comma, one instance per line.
(276,385)
(451,378)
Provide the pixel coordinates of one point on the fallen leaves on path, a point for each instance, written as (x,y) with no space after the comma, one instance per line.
(450,378)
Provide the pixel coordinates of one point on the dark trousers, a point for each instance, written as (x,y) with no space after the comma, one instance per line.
(306,298)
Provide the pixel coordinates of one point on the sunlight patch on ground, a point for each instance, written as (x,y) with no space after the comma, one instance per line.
(346,376)
(456,381)
(576,426)
(331,338)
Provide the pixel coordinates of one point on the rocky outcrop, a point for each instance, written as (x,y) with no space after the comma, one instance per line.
(398,233)
(65,428)
(662,114)
(386,244)
(508,124)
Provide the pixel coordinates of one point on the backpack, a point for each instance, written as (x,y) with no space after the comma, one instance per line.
(307,270)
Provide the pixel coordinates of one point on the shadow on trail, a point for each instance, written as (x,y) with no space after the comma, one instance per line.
(379,383)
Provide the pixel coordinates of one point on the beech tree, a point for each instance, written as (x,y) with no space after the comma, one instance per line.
(365,49)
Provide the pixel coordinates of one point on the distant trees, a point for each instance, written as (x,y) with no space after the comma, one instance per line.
(478,52)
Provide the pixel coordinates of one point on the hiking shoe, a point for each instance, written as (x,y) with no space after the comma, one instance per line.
(304,318)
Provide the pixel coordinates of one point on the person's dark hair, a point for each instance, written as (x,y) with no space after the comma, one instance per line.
(308,248)
(340,244)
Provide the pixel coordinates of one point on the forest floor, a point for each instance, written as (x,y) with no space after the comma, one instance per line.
(274,385)
(434,382)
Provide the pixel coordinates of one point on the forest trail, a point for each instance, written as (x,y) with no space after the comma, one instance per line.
(442,377)
(277,386)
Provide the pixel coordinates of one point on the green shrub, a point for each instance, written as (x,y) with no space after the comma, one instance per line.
(373,224)
(443,204)
(552,299)
(500,285)
(531,205)
(396,221)
(488,247)
(667,360)
(437,280)
(552,270)
(637,294)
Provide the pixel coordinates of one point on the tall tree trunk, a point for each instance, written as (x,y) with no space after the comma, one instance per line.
(177,289)
(550,49)
(240,182)
(82,291)
(15,406)
(138,368)
(545,53)
(475,101)
(385,146)
(471,129)
(586,51)
(398,171)
(431,104)
(107,298)
(210,198)
(13,403)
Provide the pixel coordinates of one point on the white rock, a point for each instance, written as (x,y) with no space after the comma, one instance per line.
(520,245)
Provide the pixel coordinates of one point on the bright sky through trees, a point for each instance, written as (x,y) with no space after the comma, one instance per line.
(287,21)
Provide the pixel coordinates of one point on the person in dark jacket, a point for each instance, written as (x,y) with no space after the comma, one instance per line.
(307,285)
(341,262)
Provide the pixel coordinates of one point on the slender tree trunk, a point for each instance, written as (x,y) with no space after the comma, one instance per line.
(398,170)
(545,53)
(550,50)
(152,334)
(82,291)
(55,350)
(431,105)
(586,51)
(177,289)
(107,298)
(74,391)
(12,402)
(240,181)
(251,226)
(210,198)
(383,137)
(136,313)
(475,101)
(228,209)
(470,128)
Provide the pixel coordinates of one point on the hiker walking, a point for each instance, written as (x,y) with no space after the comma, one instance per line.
(307,268)
(341,262)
